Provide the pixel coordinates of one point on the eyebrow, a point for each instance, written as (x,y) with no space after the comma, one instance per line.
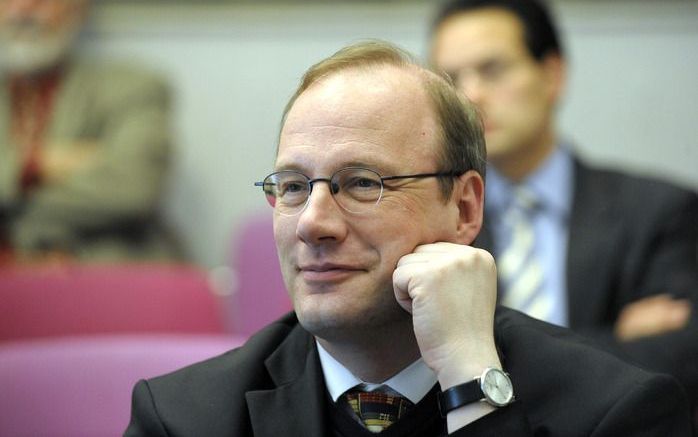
(377,167)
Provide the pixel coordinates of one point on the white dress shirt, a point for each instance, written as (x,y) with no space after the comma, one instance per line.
(413,382)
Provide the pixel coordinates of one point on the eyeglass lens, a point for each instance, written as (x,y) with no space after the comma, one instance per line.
(354,189)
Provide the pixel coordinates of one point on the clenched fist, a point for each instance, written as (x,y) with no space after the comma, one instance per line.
(451,291)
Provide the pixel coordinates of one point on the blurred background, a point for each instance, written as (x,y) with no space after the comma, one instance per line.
(76,337)
(632,99)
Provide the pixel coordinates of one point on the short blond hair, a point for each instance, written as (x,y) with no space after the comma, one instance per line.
(461,137)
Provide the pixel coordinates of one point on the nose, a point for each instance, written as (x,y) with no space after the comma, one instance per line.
(472,86)
(322,221)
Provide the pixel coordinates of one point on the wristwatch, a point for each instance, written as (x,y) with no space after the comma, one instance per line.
(493,387)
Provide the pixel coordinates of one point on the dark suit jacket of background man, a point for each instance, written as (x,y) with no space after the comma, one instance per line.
(273,386)
(630,238)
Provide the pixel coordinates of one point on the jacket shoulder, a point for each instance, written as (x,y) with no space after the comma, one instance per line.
(570,386)
(630,187)
(246,359)
(213,391)
(115,85)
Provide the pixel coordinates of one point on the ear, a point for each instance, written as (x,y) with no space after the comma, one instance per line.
(555,70)
(469,192)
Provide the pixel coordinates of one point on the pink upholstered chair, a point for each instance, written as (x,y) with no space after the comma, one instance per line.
(82,386)
(259,295)
(71,299)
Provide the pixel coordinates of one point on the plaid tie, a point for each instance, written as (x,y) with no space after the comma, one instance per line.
(377,410)
(519,268)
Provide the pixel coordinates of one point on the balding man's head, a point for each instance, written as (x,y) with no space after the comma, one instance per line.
(460,132)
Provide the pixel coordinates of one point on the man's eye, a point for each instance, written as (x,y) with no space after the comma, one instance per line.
(363,183)
(493,70)
(293,187)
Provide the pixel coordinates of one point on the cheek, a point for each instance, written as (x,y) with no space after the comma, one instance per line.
(520,107)
(394,231)
(410,222)
(284,236)
(511,100)
(394,206)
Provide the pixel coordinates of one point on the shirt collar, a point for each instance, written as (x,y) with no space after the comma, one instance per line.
(412,382)
(551,183)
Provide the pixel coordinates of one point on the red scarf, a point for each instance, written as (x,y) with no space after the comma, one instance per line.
(31,100)
(31,103)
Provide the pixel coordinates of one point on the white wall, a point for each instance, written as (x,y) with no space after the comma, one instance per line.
(632,98)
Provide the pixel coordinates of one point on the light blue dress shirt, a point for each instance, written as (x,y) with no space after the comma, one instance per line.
(552,184)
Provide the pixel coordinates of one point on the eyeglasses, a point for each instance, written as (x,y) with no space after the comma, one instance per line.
(490,73)
(355,189)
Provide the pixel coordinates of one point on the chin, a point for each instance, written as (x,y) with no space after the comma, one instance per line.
(320,311)
(332,317)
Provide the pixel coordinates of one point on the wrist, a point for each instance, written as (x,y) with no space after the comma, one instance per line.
(493,387)
(463,369)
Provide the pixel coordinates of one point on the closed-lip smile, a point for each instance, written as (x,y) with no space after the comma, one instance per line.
(323,267)
(328,271)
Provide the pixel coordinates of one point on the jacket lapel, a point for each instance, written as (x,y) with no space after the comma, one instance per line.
(594,246)
(72,111)
(296,406)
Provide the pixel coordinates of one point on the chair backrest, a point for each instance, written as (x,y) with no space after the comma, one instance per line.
(92,299)
(259,295)
(82,386)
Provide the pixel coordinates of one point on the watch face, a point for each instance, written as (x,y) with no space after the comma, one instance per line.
(497,387)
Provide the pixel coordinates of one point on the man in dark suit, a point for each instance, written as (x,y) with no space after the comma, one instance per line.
(610,255)
(377,192)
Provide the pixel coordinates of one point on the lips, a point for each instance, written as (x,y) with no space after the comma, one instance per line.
(323,267)
(324,272)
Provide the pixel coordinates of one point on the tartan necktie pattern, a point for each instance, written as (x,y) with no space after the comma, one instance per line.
(377,410)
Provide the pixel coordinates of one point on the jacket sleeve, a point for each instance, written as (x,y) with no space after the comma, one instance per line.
(509,421)
(667,260)
(128,120)
(654,408)
(144,417)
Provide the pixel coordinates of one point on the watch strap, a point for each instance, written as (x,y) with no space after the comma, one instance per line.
(460,395)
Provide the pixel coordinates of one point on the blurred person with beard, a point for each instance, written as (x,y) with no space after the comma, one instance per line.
(84,146)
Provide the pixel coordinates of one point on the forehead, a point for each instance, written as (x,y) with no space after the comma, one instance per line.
(41,7)
(474,35)
(378,116)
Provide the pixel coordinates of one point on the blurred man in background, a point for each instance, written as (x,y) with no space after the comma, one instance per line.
(83,146)
(605,253)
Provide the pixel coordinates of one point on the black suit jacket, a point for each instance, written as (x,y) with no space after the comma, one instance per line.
(273,386)
(630,238)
